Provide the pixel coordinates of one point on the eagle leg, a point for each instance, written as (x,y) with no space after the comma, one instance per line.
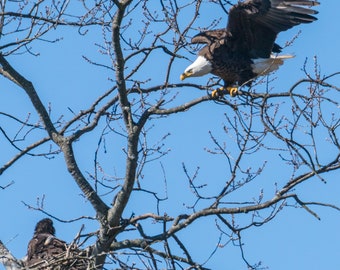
(233,90)
(217,92)
(230,90)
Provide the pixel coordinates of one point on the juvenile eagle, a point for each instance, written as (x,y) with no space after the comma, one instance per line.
(44,245)
(245,49)
(45,251)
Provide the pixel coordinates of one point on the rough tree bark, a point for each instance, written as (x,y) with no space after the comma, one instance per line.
(261,120)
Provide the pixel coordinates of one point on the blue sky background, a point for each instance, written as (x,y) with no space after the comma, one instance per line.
(293,240)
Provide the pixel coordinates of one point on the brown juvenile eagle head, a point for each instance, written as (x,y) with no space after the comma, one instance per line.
(44,226)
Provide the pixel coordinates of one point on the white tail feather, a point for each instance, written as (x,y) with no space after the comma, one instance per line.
(263,66)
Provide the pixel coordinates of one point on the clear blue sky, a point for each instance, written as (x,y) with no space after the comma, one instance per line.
(293,240)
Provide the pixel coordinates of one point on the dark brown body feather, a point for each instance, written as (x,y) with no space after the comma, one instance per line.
(45,251)
(251,31)
(230,66)
(44,246)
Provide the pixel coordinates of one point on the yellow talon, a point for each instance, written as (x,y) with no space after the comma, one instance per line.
(232,91)
(218,92)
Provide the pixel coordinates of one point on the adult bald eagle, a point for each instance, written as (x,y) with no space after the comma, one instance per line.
(245,49)
(45,251)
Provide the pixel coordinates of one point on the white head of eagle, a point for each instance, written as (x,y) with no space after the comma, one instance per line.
(246,48)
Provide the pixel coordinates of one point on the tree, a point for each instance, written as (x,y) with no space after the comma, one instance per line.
(140,46)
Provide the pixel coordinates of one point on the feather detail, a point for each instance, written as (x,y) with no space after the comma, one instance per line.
(263,66)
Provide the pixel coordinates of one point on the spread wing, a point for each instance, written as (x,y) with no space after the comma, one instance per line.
(210,36)
(254,24)
(219,36)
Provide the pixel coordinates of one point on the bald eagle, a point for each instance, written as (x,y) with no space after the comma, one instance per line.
(45,251)
(246,48)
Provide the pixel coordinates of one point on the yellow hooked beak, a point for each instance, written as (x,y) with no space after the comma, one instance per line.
(185,75)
